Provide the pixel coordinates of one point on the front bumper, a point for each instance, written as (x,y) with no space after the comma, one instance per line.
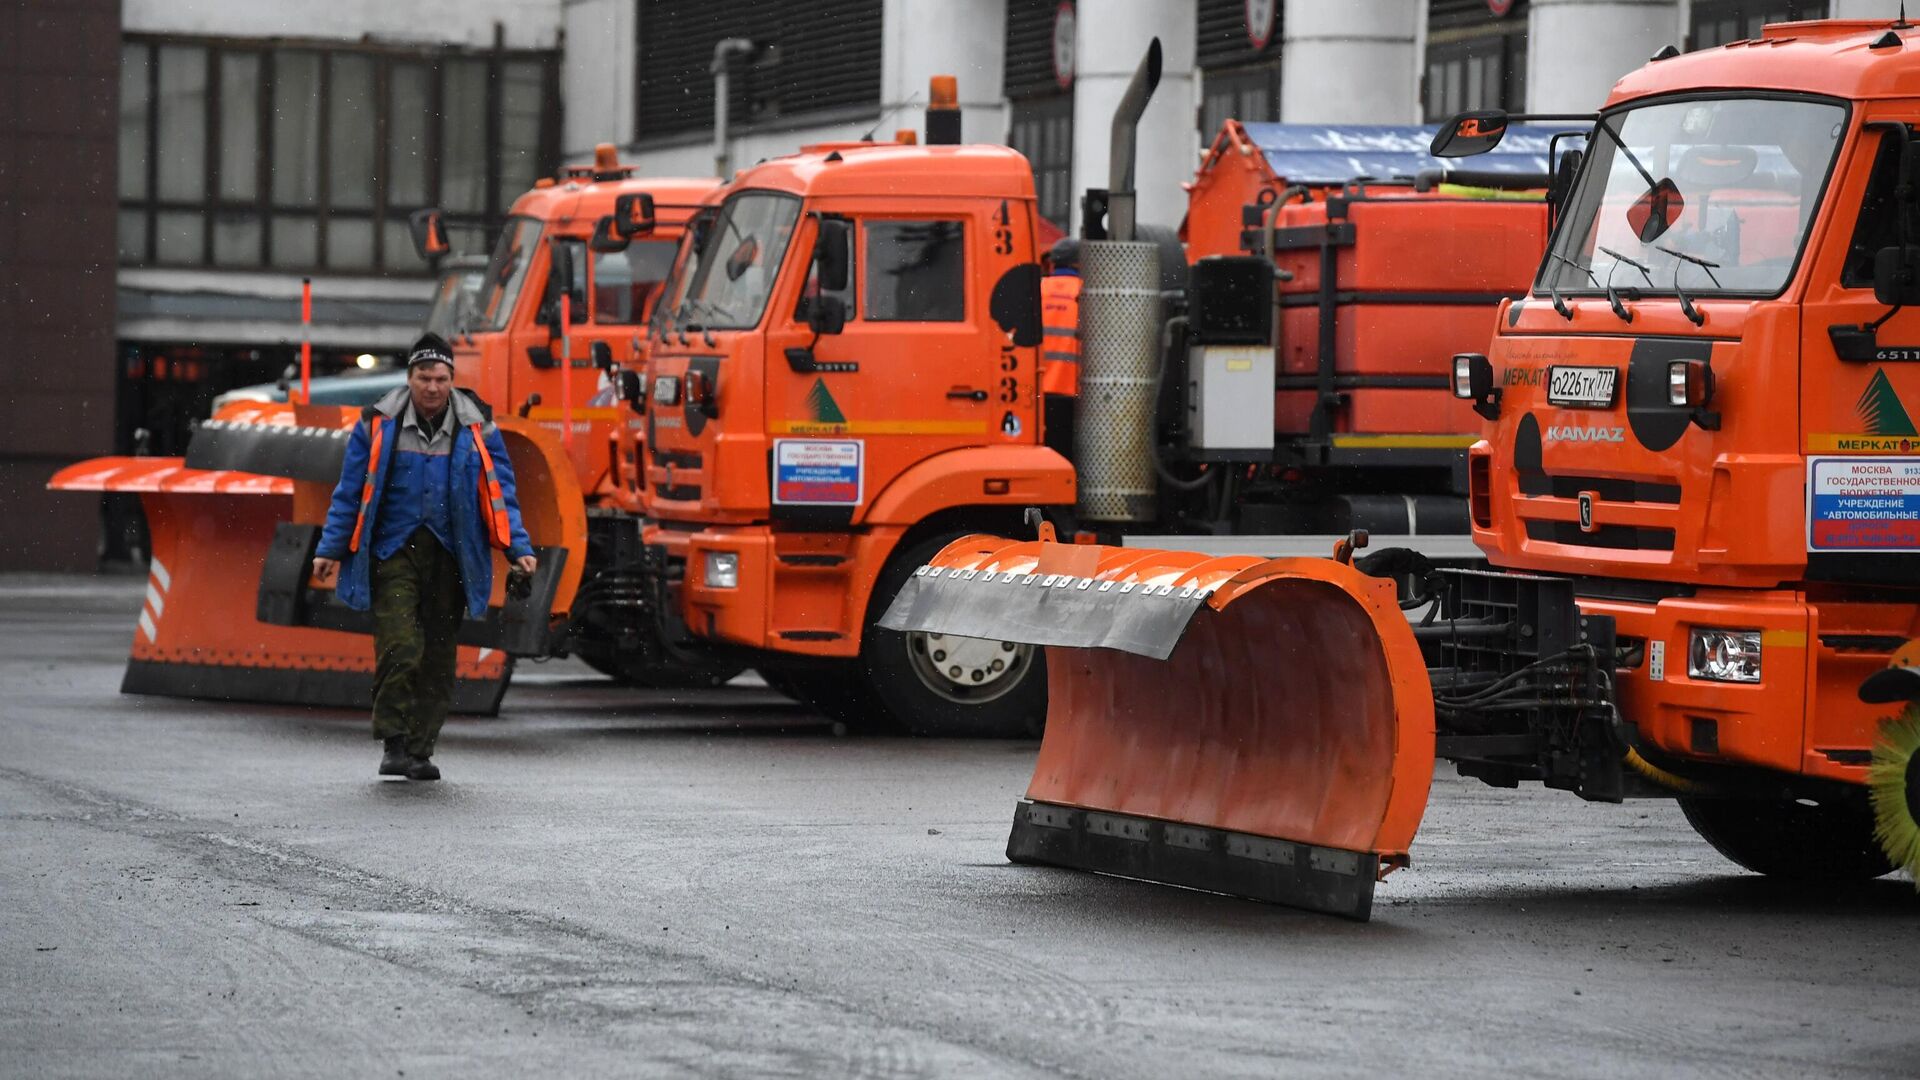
(1802,717)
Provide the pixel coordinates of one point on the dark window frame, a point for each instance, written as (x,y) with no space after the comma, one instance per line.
(1052,175)
(383,213)
(1717,22)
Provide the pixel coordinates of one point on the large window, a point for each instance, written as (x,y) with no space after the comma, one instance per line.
(307,157)
(1475,59)
(916,271)
(738,264)
(1237,48)
(1716,22)
(1042,130)
(1711,195)
(811,62)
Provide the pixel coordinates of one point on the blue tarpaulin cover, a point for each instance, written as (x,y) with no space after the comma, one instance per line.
(1336,153)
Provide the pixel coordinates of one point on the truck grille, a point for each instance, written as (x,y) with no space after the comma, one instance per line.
(1616,537)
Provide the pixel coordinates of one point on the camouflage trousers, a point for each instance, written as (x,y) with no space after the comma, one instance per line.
(418,603)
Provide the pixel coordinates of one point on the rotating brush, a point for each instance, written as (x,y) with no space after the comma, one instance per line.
(1893,784)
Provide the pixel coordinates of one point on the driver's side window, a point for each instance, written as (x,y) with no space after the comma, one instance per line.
(1879,223)
(803,308)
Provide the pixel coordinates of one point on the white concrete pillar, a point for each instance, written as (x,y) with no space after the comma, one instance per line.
(1888,10)
(597,75)
(1577,49)
(1352,62)
(962,38)
(1110,39)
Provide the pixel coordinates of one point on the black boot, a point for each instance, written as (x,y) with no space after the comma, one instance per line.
(423,769)
(395,761)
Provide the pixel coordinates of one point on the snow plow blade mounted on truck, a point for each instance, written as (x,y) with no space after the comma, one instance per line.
(1261,727)
(230,611)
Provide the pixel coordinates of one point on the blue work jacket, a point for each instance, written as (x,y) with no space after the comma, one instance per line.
(471,549)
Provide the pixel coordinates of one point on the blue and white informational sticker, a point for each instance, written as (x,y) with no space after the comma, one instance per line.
(817,472)
(1863,504)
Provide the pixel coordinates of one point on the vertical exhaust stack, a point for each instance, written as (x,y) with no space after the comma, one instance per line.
(1120,321)
(943,111)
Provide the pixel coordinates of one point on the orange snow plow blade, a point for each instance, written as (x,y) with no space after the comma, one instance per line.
(1258,727)
(230,612)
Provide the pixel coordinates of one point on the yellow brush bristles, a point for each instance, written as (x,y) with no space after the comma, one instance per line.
(1893,804)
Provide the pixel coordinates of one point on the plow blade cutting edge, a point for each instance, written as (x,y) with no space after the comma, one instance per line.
(1258,727)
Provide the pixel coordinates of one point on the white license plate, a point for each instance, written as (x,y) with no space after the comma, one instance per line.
(1582,387)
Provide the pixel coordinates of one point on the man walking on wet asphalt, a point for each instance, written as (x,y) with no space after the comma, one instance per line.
(425,497)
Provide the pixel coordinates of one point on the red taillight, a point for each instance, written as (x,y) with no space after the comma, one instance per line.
(1480,489)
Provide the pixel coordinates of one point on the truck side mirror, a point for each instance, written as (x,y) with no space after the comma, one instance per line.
(827,314)
(1470,133)
(830,254)
(1896,275)
(429,232)
(1564,173)
(1656,210)
(607,238)
(633,214)
(602,354)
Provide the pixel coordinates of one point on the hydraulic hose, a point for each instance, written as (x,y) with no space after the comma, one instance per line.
(1662,777)
(1159,380)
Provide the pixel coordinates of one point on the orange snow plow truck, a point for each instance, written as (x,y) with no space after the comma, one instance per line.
(555,344)
(840,377)
(1698,487)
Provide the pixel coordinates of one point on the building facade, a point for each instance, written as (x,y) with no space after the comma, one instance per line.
(158,213)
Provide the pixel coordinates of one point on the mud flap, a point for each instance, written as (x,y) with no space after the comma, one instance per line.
(1262,728)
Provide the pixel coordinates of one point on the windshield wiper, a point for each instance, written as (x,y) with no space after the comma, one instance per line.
(1560,305)
(1686,303)
(1613,294)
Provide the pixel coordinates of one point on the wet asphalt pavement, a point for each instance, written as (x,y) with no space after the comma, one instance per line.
(619,882)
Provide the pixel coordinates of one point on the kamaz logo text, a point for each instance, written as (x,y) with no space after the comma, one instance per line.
(1572,433)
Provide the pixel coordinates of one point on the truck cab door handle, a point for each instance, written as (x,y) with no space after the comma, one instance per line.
(966,393)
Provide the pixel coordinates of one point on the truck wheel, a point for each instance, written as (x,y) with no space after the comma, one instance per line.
(835,691)
(1830,840)
(936,685)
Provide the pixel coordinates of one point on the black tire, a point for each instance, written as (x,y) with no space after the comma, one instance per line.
(901,672)
(629,671)
(1786,838)
(780,681)
(836,690)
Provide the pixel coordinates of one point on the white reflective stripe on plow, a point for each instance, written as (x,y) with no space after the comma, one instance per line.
(156,601)
(146,624)
(160,574)
(484,653)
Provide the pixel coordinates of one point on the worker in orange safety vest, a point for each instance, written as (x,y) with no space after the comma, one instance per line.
(1060,347)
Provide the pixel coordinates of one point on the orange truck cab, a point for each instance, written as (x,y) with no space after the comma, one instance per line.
(843,377)
(846,380)
(1703,418)
(612,237)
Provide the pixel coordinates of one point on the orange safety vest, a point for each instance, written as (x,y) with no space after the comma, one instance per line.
(1060,319)
(493,502)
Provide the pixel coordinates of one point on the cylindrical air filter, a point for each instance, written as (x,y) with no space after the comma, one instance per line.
(1119,355)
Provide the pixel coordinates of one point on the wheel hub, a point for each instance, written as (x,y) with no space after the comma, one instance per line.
(970,670)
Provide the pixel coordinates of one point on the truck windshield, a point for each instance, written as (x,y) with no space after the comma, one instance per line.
(507,272)
(729,279)
(1715,193)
